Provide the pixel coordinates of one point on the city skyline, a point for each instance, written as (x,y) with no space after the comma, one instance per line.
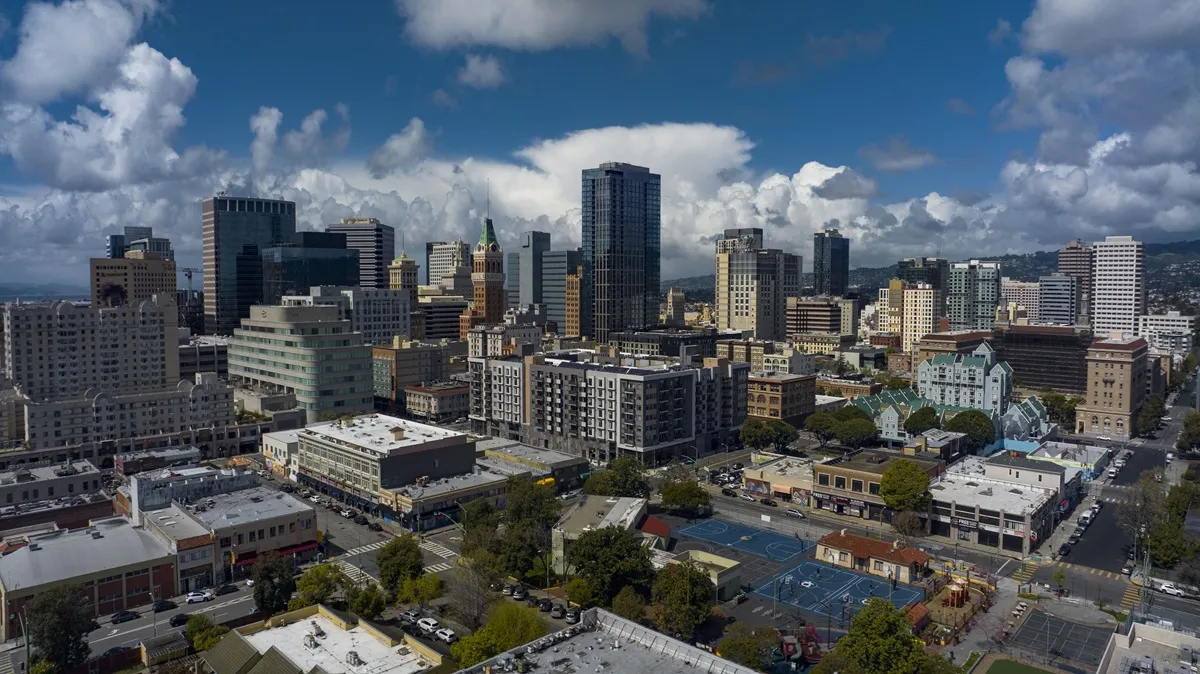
(1009,159)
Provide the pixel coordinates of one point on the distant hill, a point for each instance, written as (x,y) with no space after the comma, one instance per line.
(42,291)
(1170,267)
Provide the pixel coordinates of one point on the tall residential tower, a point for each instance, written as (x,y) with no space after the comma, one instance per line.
(1118,285)
(753,284)
(974,294)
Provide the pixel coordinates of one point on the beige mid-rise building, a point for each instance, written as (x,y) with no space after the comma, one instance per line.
(135,277)
(909,310)
(406,363)
(753,284)
(1116,387)
(307,351)
(781,397)
(574,289)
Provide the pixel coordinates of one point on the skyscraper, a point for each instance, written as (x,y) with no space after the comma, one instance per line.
(430,246)
(1023,294)
(753,284)
(376,245)
(534,246)
(235,231)
(442,259)
(974,294)
(932,270)
(556,266)
(1075,259)
(622,229)
(403,274)
(1058,299)
(831,263)
(487,277)
(116,244)
(1118,285)
(309,259)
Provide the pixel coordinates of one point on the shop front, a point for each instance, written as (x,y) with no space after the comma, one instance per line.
(841,505)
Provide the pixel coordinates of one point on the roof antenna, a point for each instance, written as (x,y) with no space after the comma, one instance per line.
(488,207)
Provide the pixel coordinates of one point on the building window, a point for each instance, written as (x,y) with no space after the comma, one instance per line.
(823,479)
(225,542)
(856,485)
(252,536)
(839,482)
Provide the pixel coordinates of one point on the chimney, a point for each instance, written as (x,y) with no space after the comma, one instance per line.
(843,532)
(896,544)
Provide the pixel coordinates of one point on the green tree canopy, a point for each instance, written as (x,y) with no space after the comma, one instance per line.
(880,641)
(367,602)
(1060,408)
(978,426)
(687,496)
(399,560)
(629,604)
(1189,437)
(783,433)
(209,638)
(531,504)
(197,624)
(609,559)
(749,646)
(508,625)
(274,582)
(59,620)
(318,583)
(680,599)
(756,433)
(856,432)
(821,425)
(850,412)
(922,420)
(625,478)
(904,486)
(420,590)
(891,382)
(1142,506)
(580,592)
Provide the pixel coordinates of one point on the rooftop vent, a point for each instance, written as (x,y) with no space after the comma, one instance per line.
(396,433)
(34,547)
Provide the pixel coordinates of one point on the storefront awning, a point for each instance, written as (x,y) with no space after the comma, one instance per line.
(246,559)
(301,547)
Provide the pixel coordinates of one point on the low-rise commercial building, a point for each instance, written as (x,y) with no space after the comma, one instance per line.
(1146,648)
(565,472)
(823,403)
(248,523)
(892,560)
(725,574)
(406,363)
(442,401)
(821,343)
(118,565)
(30,484)
(133,463)
(788,478)
(61,512)
(781,397)
(848,388)
(1091,460)
(589,514)
(849,484)
(1003,515)
(204,353)
(281,450)
(157,489)
(430,503)
(789,361)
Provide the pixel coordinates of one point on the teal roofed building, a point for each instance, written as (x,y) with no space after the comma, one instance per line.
(975,381)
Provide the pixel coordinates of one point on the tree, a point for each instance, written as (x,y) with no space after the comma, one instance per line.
(508,625)
(609,559)
(469,595)
(319,583)
(1060,407)
(1148,419)
(1060,577)
(1143,506)
(755,433)
(209,638)
(1181,498)
(783,434)
(59,620)
(579,591)
(908,524)
(367,602)
(922,420)
(421,590)
(978,426)
(821,425)
(680,599)
(625,478)
(629,605)
(197,624)
(398,560)
(891,382)
(749,646)
(856,432)
(274,582)
(904,486)
(687,496)
(1167,544)
(1189,437)
(531,504)
(880,640)
(850,413)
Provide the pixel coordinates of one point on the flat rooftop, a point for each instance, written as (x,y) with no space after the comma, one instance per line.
(1148,648)
(59,471)
(59,503)
(477,478)
(184,472)
(598,512)
(176,522)
(1065,451)
(166,453)
(110,543)
(789,467)
(288,437)
(206,340)
(438,387)
(827,400)
(974,490)
(333,649)
(248,505)
(520,452)
(875,461)
(604,642)
(374,432)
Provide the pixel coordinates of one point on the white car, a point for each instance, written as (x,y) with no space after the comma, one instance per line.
(1168,588)
(446,634)
(747,497)
(315,498)
(1170,457)
(1103,437)
(428,625)
(199,597)
(1167,419)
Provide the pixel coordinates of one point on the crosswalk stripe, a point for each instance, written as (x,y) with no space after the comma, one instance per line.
(438,549)
(365,548)
(438,568)
(6,666)
(1133,595)
(355,574)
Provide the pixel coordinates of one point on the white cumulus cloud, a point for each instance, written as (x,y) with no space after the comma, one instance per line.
(481,72)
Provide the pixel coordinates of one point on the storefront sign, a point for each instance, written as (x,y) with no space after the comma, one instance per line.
(990,528)
(857,504)
(964,524)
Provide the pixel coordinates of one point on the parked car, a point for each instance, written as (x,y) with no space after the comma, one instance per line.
(124,617)
(164,605)
(287,489)
(1169,588)
(507,590)
(792,512)
(361,519)
(768,502)
(410,616)
(348,513)
(226,589)
(557,611)
(428,625)
(531,601)
(1064,550)
(747,497)
(544,605)
(519,593)
(375,526)
(1170,457)
(1097,506)
(728,492)
(1076,535)
(1104,438)
(114,651)
(1127,569)
(573,615)
(198,597)
(738,466)
(180,619)
(446,634)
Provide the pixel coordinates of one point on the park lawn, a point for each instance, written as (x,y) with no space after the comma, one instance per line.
(1001,666)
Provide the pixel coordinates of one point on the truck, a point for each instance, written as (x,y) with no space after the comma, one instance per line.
(1086,518)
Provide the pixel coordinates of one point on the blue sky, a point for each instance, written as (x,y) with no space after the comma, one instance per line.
(971,128)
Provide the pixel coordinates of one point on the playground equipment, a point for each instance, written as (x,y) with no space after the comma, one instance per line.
(957,596)
(804,646)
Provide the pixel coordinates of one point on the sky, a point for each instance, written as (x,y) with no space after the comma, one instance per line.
(967,129)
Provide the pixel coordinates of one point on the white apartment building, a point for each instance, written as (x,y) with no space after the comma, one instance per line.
(1168,332)
(1118,285)
(977,381)
(101,414)
(909,310)
(973,295)
(61,349)
(490,341)
(497,396)
(308,351)
(443,258)
(1022,293)
(378,313)
(752,286)
(790,361)
(1060,299)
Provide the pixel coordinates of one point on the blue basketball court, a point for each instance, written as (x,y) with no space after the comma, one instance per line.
(768,544)
(825,590)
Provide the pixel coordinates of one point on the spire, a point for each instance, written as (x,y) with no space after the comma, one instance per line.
(487,237)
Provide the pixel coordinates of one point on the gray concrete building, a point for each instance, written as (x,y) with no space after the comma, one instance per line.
(1060,299)
(376,246)
(556,265)
(974,295)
